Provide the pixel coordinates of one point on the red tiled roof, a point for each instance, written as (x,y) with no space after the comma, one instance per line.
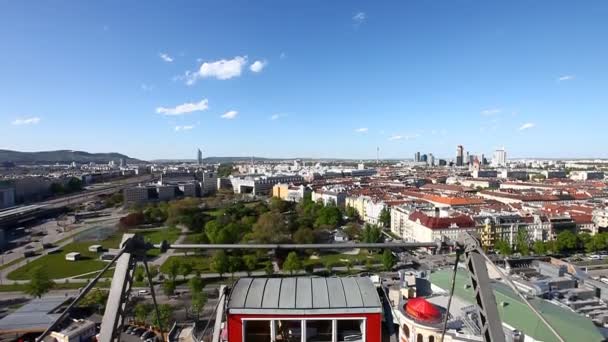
(462,221)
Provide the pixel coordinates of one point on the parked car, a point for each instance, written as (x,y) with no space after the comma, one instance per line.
(146,335)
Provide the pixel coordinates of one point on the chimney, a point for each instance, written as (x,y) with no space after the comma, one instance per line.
(437,212)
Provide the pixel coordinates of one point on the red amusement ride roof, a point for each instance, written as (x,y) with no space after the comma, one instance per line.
(421,309)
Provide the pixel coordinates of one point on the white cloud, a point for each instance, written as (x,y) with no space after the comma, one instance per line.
(283,55)
(565,78)
(183,128)
(526,126)
(185,108)
(165,57)
(361,130)
(229,115)
(223,69)
(404,137)
(491,111)
(257,66)
(26,121)
(275,116)
(359,18)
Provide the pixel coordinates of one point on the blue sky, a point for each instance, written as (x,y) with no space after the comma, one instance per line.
(305,78)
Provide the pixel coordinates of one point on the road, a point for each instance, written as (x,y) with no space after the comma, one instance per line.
(89,194)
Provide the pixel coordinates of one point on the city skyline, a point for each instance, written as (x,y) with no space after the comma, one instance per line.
(337,80)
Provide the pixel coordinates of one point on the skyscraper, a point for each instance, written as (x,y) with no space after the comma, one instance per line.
(199,157)
(431,159)
(459,155)
(417,157)
(500,158)
(423,158)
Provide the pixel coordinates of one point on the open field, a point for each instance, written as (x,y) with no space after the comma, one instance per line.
(58,267)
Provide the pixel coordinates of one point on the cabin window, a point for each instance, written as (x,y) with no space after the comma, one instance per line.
(319,331)
(289,330)
(257,331)
(350,330)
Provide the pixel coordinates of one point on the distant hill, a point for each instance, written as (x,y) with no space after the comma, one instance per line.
(62,156)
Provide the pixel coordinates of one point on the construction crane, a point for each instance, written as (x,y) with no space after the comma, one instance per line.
(134,248)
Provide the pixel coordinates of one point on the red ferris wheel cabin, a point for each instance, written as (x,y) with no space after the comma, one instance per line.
(304,309)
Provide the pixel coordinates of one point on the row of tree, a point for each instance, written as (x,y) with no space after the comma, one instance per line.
(566,242)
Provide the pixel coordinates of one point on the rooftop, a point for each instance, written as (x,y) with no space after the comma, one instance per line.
(34,316)
(304,295)
(571,326)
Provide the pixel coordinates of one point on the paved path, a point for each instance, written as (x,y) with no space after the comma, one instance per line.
(171,252)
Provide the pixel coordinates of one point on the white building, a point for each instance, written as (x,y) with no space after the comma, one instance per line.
(600,218)
(209,183)
(73,256)
(500,158)
(77,330)
(336,198)
(587,175)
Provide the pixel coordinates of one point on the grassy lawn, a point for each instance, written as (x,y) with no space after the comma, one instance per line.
(337,259)
(58,267)
(59,286)
(201,263)
(215,212)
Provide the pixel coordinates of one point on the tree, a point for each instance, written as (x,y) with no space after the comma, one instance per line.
(596,243)
(234,265)
(353,231)
(385,217)
(165,313)
(329,266)
(278,205)
(349,266)
(174,268)
(219,263)
(96,298)
(371,233)
(566,241)
(198,303)
(73,185)
(269,268)
(169,287)
(185,268)
(270,228)
(369,265)
(329,215)
(539,247)
(304,236)
(141,312)
(503,247)
(251,262)
(351,213)
(195,284)
(522,245)
(388,260)
(139,274)
(292,263)
(40,282)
